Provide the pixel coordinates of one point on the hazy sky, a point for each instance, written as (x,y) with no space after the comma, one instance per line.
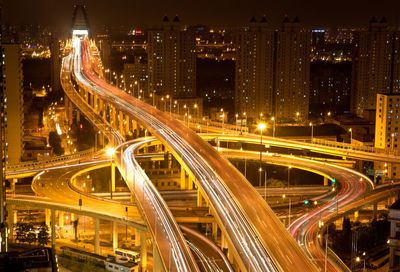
(210,12)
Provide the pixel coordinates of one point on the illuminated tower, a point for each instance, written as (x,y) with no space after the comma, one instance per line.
(292,70)
(376,65)
(172,59)
(254,69)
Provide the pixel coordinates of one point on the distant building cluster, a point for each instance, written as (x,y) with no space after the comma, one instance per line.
(288,72)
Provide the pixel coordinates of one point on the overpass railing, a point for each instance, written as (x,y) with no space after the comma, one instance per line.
(48,162)
(347,146)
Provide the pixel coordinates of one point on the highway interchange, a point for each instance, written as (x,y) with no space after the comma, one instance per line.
(257,237)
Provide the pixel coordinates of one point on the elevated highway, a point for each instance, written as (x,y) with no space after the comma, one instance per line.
(252,235)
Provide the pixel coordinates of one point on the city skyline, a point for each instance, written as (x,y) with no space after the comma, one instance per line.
(221,13)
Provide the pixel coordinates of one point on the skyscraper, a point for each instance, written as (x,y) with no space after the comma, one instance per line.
(172,60)
(387,131)
(254,69)
(3,148)
(272,70)
(376,64)
(14,92)
(292,70)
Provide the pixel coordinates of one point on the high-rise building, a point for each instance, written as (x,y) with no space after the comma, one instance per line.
(292,71)
(14,92)
(172,59)
(376,64)
(254,69)
(272,70)
(136,75)
(55,63)
(3,147)
(330,85)
(387,124)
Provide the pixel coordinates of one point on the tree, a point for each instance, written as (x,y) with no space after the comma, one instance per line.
(43,235)
(31,237)
(20,232)
(55,142)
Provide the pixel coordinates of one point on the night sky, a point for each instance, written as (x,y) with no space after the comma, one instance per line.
(313,13)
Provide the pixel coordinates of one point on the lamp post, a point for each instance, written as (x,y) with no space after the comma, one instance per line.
(273,126)
(169,97)
(351,135)
(110,152)
(236,118)
(245,118)
(195,106)
(261,127)
(289,209)
(358,259)
(312,131)
(392,141)
(177,106)
(223,119)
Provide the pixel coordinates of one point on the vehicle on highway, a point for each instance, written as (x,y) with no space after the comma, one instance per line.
(130,254)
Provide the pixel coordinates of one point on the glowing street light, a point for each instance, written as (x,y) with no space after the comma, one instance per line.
(273,126)
(261,127)
(351,135)
(110,151)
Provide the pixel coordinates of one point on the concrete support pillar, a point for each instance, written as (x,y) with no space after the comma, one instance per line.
(72,217)
(374,210)
(137,238)
(12,185)
(61,219)
(53,229)
(215,231)
(126,124)
(112,178)
(326,181)
(114,235)
(190,183)
(47,214)
(356,216)
(101,109)
(97,236)
(10,221)
(143,252)
(120,121)
(199,198)
(157,263)
(183,178)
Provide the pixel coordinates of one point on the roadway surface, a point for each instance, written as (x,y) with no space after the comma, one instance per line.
(259,239)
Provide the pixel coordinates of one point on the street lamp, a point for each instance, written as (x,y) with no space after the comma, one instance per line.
(392,142)
(312,131)
(176,105)
(351,135)
(288,176)
(170,98)
(223,119)
(245,117)
(273,126)
(290,208)
(197,111)
(261,127)
(110,152)
(236,118)
(358,259)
